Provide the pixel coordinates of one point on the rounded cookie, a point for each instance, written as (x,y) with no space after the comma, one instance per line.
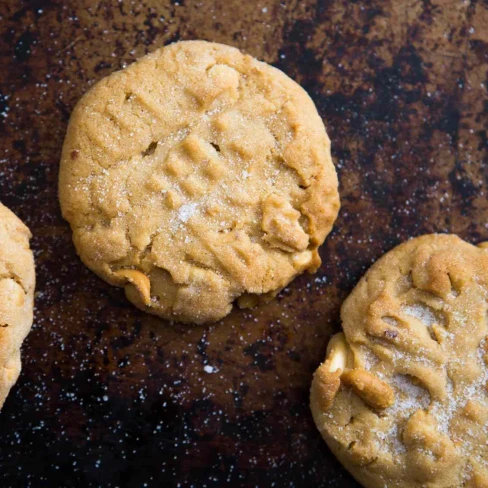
(195,177)
(17,282)
(401,398)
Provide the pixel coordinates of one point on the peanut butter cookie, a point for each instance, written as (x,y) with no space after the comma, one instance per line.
(196,177)
(401,398)
(17,281)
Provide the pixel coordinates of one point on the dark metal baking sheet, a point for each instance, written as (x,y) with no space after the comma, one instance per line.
(109,396)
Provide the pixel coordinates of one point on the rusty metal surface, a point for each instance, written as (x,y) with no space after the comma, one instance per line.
(109,396)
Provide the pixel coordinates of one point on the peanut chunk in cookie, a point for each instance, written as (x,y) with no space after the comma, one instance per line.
(327,377)
(139,280)
(369,388)
(281,225)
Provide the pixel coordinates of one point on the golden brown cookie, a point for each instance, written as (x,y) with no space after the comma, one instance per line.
(195,177)
(401,398)
(17,281)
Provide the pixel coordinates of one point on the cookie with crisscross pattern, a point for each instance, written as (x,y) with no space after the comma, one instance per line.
(196,177)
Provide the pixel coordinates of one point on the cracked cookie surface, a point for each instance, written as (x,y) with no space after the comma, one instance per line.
(196,177)
(17,281)
(402,398)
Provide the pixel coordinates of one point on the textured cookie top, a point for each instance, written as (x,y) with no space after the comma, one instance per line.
(402,396)
(17,281)
(197,176)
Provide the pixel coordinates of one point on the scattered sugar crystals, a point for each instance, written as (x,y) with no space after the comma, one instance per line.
(409,398)
(187,211)
(369,358)
(457,400)
(391,321)
(420,312)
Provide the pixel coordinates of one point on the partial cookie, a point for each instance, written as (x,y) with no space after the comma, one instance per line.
(17,281)
(195,177)
(401,398)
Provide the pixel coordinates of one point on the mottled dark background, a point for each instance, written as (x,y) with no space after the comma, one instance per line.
(112,397)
